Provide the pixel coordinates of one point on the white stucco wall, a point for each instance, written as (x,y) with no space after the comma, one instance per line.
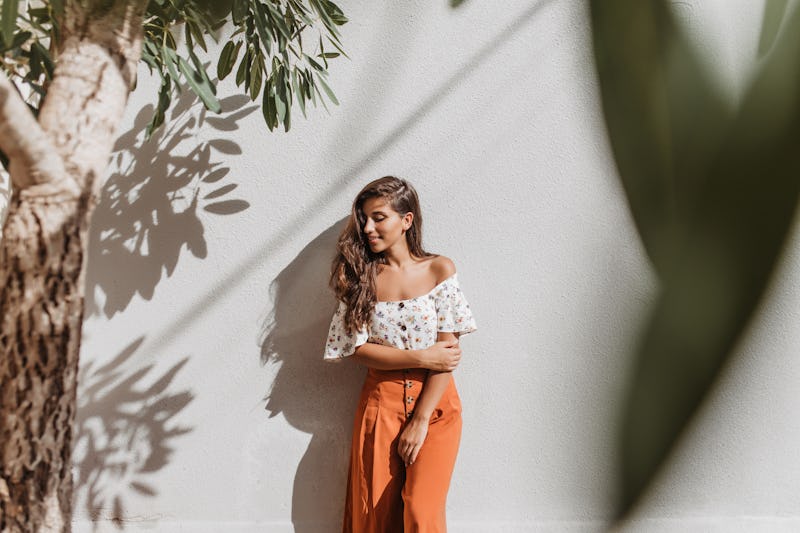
(205,405)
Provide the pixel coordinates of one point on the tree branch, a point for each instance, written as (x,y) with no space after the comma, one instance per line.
(96,69)
(33,159)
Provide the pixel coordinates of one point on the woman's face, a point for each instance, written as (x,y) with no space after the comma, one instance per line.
(384,227)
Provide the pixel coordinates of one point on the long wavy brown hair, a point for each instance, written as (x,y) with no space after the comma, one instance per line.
(355,266)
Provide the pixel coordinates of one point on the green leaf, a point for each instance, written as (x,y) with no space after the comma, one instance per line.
(322,11)
(262,27)
(299,7)
(774,12)
(335,13)
(298,91)
(244,67)
(322,52)
(256,77)
(313,63)
(44,56)
(321,99)
(42,14)
(201,70)
(227,58)
(328,90)
(161,108)
(302,11)
(148,58)
(663,113)
(150,47)
(268,105)
(280,99)
(239,11)
(254,52)
(170,40)
(311,87)
(732,219)
(277,19)
(35,64)
(198,82)
(305,84)
(155,10)
(188,36)
(276,65)
(171,62)
(9,21)
(287,96)
(291,20)
(294,51)
(195,32)
(20,39)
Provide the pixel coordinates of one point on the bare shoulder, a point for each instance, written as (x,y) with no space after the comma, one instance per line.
(442,267)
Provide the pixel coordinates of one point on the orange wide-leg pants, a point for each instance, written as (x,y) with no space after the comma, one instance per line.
(383,496)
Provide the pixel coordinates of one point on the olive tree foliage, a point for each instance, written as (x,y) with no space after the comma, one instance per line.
(267,50)
(713,187)
(67,69)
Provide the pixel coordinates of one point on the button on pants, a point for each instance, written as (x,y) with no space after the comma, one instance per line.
(383,496)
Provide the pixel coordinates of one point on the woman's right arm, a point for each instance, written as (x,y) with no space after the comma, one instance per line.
(442,356)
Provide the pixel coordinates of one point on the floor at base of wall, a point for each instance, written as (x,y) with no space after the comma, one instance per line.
(748,524)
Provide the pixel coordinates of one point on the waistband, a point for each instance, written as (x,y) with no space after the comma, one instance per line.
(407,374)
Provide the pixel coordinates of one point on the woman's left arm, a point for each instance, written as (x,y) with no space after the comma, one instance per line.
(413,436)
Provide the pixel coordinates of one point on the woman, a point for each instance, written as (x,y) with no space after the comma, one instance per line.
(400,314)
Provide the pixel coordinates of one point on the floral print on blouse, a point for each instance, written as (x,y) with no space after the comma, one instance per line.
(410,324)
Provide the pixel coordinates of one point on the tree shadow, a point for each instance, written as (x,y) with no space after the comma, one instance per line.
(150,207)
(314,396)
(124,430)
(281,237)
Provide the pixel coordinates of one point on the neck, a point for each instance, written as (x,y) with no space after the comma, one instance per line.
(399,257)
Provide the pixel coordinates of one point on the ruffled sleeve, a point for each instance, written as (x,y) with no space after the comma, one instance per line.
(452,310)
(341,344)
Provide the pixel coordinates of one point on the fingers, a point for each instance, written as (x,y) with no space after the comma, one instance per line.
(402,450)
(410,444)
(406,451)
(413,455)
(450,363)
(454,360)
(409,453)
(445,356)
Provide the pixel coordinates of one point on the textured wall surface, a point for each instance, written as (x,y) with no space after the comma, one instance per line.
(205,404)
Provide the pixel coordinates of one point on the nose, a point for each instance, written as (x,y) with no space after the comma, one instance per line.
(369,225)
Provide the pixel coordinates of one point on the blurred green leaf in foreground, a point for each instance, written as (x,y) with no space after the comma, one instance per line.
(712,190)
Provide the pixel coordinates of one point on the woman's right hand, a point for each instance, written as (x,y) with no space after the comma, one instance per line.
(442,356)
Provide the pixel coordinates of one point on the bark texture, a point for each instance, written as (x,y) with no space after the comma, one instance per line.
(42,258)
(41,309)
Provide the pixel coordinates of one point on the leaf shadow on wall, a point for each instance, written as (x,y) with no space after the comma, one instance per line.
(124,432)
(314,396)
(153,204)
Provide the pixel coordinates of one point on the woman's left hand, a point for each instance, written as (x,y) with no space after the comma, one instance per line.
(411,440)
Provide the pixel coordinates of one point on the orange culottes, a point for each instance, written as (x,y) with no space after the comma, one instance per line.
(383,496)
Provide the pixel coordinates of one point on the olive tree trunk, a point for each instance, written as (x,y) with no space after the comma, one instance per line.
(57,165)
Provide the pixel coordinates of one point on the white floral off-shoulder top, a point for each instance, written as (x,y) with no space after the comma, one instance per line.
(410,324)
